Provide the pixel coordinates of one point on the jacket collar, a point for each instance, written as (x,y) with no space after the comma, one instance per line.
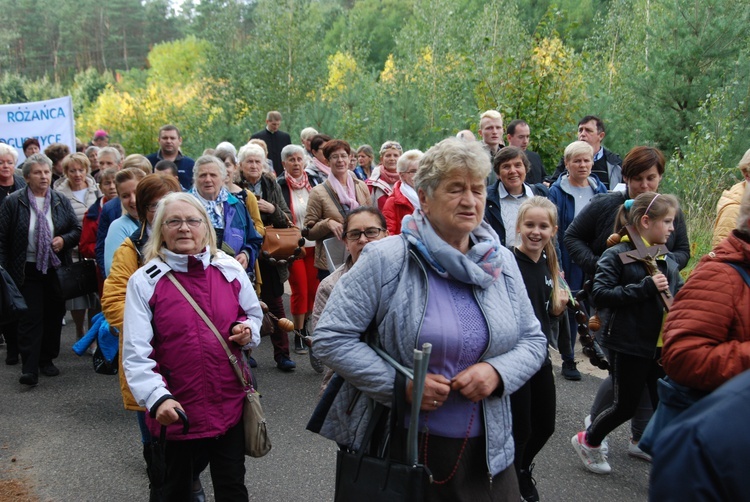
(179,262)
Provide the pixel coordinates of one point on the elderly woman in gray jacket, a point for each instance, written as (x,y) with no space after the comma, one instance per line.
(445,280)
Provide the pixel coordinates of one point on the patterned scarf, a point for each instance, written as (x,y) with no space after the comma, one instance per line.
(214,208)
(480,266)
(302,182)
(45,257)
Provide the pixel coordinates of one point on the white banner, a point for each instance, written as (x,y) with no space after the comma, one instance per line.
(48,121)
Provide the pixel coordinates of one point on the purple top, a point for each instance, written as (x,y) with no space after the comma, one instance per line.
(456,328)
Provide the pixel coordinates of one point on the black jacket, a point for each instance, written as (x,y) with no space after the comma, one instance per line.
(18,184)
(586,237)
(15,214)
(536,173)
(275,142)
(492,214)
(629,293)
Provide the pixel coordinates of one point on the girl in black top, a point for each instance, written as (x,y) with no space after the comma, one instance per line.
(533,405)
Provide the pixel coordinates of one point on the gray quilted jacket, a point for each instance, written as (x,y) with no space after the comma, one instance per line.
(389,283)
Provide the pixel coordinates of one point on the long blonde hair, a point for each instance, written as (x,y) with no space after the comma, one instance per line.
(549,248)
(154,246)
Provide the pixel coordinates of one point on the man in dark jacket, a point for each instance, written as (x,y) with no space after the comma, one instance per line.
(170,141)
(607,164)
(275,140)
(519,134)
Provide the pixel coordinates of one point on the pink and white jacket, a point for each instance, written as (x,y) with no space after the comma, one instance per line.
(168,351)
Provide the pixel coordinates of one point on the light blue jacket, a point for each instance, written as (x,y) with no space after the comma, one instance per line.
(389,283)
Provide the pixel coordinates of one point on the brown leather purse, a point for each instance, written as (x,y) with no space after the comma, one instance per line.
(283,243)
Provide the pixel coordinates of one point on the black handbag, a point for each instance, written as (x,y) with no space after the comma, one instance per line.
(12,303)
(76,279)
(376,472)
(101,365)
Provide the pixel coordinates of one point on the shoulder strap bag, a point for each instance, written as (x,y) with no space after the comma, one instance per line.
(335,200)
(257,442)
(283,243)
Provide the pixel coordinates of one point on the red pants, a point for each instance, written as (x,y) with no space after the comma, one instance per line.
(303,279)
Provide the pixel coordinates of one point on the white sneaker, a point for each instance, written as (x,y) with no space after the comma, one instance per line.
(605,441)
(636,452)
(593,458)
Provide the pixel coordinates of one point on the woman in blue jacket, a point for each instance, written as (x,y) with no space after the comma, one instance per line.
(570,193)
(235,232)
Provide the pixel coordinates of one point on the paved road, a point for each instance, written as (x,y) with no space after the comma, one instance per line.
(69,439)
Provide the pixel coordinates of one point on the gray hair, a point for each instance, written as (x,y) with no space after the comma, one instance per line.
(250,150)
(153,247)
(207,160)
(227,147)
(108,150)
(92,148)
(307,133)
(290,150)
(407,159)
(6,149)
(578,148)
(36,159)
(448,156)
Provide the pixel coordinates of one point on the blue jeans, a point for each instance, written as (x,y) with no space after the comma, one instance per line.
(146,436)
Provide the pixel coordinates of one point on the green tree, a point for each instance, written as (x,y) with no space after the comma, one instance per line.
(12,89)
(656,61)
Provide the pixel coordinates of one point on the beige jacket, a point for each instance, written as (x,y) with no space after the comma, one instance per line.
(727,211)
(321,209)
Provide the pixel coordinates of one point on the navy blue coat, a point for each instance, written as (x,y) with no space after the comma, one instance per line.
(702,455)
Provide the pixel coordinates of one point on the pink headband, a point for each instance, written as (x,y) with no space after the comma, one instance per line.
(650,204)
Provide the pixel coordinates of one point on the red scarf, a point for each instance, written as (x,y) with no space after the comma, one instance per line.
(389,177)
(303,182)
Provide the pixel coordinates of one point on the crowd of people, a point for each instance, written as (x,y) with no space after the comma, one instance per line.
(470,246)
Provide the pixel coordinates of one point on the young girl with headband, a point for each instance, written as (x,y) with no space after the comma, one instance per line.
(533,405)
(632,333)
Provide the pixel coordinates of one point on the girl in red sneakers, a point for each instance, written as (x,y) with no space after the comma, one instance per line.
(632,332)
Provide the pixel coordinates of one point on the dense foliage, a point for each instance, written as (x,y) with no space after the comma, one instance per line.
(671,73)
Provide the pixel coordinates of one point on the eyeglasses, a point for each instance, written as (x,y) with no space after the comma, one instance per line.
(370,233)
(152,207)
(176,223)
(391,144)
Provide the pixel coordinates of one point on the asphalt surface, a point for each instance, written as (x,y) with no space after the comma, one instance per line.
(69,439)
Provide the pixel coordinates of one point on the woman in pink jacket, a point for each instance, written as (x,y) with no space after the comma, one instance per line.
(173,360)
